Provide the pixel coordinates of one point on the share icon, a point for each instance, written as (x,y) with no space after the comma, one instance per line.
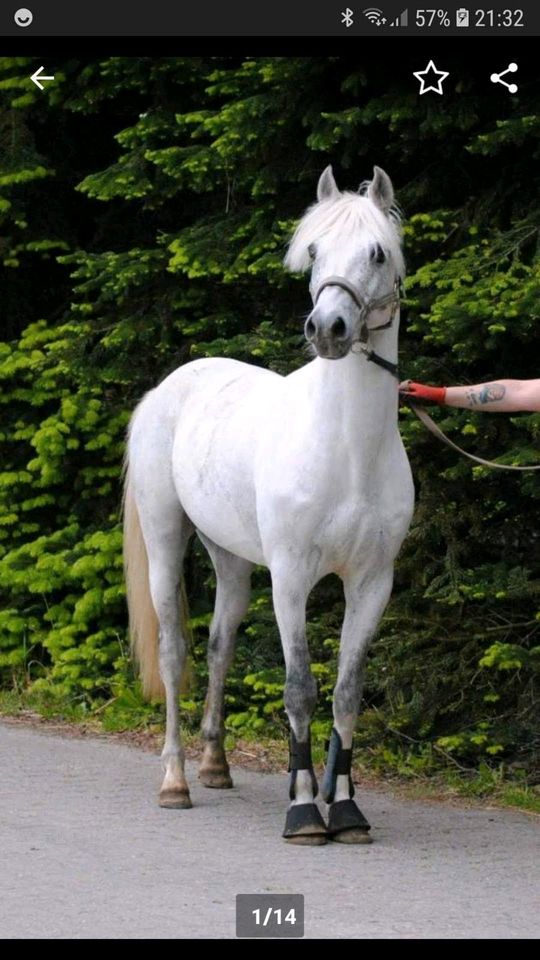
(498,78)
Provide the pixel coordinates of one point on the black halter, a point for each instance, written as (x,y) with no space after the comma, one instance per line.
(366,307)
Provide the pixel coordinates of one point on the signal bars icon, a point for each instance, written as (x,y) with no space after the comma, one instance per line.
(402,20)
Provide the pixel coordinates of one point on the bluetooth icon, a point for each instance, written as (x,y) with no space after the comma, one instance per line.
(347,17)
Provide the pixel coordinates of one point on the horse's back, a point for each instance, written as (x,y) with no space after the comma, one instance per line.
(201,388)
(206,377)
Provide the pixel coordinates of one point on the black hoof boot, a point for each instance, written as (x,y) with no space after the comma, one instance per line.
(304,825)
(347,824)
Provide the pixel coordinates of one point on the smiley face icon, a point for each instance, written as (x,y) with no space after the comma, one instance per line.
(23,17)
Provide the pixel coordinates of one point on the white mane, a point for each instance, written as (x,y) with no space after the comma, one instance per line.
(340,219)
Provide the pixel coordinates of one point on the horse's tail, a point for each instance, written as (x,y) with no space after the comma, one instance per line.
(143,621)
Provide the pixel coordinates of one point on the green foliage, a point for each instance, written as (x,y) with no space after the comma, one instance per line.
(144,210)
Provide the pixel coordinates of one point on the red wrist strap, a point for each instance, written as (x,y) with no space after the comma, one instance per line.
(422,392)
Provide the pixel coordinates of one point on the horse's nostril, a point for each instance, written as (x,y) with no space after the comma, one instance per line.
(311,329)
(338,328)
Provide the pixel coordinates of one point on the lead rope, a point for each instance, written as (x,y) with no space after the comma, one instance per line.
(430,424)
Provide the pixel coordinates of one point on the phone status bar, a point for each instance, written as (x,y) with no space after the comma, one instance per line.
(243,18)
(438,20)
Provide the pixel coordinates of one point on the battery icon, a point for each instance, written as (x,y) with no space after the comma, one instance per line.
(462,17)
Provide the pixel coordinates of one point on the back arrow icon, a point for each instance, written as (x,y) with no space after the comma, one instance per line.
(37,76)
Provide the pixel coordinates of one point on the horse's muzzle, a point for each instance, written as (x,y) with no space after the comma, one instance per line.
(328,334)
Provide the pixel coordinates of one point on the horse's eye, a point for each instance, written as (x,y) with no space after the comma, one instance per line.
(378,254)
(312,250)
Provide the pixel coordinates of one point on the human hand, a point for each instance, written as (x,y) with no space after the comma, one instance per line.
(420,391)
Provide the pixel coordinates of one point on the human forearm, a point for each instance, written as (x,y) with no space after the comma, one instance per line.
(504,396)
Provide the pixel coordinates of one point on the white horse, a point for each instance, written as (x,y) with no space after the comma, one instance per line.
(305,474)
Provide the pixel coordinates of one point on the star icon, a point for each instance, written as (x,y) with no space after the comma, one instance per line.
(428,81)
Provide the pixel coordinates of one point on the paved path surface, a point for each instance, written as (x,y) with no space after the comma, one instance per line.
(85,853)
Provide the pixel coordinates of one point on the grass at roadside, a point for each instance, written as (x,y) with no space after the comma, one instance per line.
(141,725)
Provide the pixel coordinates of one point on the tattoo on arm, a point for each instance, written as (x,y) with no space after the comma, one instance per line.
(488,393)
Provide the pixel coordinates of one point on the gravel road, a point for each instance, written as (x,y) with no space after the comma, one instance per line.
(86,853)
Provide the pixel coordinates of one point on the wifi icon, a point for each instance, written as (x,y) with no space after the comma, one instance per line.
(375,16)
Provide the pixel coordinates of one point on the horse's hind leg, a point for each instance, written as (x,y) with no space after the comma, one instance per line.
(167,530)
(233,576)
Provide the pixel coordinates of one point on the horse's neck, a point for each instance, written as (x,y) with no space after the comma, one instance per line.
(353,397)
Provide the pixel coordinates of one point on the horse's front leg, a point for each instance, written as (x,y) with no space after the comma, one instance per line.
(366,598)
(304,824)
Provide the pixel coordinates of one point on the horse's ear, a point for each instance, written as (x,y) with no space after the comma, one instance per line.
(380,190)
(327,188)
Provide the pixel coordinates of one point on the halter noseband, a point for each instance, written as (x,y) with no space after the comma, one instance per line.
(366,307)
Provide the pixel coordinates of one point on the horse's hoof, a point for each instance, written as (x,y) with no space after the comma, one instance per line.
(175,799)
(352,835)
(216,779)
(304,825)
(307,840)
(347,824)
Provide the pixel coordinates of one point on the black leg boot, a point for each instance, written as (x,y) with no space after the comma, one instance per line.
(304,824)
(346,822)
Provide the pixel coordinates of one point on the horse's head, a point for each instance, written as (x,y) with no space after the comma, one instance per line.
(352,243)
